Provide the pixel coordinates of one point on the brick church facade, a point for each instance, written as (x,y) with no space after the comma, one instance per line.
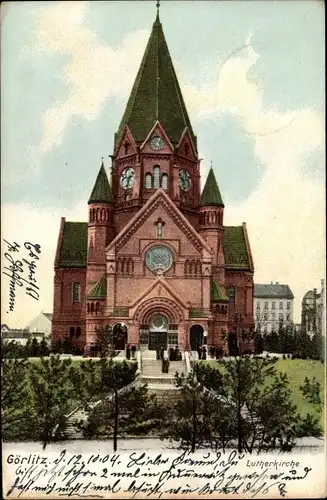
(155,259)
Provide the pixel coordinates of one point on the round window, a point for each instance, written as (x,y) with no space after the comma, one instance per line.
(159,258)
(159,322)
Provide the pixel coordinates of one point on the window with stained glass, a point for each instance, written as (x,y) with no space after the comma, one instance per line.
(159,258)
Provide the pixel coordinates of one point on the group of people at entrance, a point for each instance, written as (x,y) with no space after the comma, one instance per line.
(130,351)
(202,352)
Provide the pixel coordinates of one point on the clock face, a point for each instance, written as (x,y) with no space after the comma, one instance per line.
(157,143)
(184,180)
(127,178)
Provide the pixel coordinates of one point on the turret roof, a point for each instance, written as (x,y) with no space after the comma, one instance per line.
(101,192)
(211,195)
(156,95)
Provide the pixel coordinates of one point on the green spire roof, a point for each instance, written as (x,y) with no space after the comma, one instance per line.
(211,195)
(100,290)
(156,94)
(102,190)
(217,292)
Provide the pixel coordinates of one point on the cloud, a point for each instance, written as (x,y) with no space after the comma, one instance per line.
(285,213)
(94,71)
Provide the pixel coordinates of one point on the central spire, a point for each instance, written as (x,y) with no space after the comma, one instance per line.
(158,7)
(156,95)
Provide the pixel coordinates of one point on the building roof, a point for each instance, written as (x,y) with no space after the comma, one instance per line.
(272,291)
(217,292)
(99,291)
(156,95)
(311,294)
(101,192)
(73,251)
(48,315)
(5,326)
(211,195)
(235,248)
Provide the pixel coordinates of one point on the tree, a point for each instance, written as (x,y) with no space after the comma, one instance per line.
(138,413)
(15,399)
(259,398)
(35,348)
(311,390)
(104,380)
(51,393)
(105,342)
(43,348)
(189,423)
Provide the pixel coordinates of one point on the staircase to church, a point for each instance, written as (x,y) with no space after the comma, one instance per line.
(161,384)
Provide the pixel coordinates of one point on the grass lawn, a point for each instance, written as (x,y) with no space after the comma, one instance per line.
(297,370)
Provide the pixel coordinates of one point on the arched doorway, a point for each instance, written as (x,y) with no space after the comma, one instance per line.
(232,344)
(119,334)
(158,328)
(196,337)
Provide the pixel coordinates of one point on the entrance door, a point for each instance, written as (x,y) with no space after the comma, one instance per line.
(196,337)
(119,337)
(157,339)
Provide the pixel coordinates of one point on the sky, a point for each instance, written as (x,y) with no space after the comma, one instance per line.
(252,77)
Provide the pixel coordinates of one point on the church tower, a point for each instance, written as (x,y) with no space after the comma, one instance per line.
(155,146)
(154,261)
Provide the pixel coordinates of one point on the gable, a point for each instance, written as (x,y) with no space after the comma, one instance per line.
(185,146)
(126,139)
(157,131)
(143,224)
(159,289)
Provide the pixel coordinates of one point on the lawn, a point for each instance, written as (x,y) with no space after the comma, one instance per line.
(297,370)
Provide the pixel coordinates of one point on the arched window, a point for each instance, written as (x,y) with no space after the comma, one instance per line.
(231,294)
(92,308)
(71,332)
(164,181)
(156,177)
(76,293)
(148,181)
(78,332)
(97,307)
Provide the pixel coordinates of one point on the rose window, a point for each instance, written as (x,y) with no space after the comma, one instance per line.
(159,258)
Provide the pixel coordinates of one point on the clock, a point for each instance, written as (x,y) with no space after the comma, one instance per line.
(184,180)
(157,143)
(127,178)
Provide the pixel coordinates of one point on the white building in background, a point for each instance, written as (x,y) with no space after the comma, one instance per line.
(313,317)
(273,304)
(41,324)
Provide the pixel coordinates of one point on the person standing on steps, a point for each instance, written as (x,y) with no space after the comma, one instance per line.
(162,353)
(158,351)
(128,352)
(198,348)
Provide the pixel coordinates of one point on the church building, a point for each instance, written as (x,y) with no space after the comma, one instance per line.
(155,260)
